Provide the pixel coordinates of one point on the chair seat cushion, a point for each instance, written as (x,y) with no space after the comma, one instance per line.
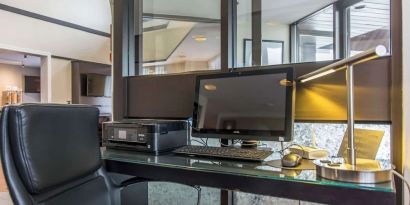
(91,193)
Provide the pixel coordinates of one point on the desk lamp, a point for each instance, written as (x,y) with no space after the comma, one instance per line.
(352,169)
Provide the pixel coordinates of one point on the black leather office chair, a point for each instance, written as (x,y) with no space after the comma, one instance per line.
(51,156)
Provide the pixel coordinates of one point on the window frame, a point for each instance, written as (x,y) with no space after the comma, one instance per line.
(228,33)
(245,40)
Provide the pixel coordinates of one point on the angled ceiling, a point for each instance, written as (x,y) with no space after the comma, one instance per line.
(19,59)
(283,11)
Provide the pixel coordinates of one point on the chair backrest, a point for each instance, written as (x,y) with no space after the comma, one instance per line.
(50,155)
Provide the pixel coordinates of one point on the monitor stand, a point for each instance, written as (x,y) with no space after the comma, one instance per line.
(249,143)
(224,142)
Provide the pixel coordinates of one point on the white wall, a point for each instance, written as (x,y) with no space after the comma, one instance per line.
(279,32)
(25,32)
(195,8)
(89,13)
(60,81)
(12,75)
(406,89)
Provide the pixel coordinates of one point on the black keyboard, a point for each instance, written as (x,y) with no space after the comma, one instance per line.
(225,152)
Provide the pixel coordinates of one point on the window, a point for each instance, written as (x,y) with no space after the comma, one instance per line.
(179,37)
(272,52)
(243,32)
(269,21)
(369,25)
(314,37)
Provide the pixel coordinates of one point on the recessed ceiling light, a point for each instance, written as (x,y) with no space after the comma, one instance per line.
(210,87)
(272,23)
(200,38)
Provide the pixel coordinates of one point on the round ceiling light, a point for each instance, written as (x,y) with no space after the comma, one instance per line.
(200,38)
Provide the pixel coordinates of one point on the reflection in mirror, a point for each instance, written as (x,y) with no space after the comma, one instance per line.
(180,36)
(277,16)
(185,35)
(369,25)
(315,36)
(230,103)
(272,52)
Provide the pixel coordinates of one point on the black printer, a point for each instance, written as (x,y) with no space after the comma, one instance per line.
(145,135)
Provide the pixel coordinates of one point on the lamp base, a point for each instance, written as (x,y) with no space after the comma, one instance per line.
(365,171)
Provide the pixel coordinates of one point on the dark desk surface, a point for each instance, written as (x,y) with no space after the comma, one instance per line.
(257,178)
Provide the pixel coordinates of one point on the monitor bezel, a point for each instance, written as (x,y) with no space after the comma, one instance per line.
(273,135)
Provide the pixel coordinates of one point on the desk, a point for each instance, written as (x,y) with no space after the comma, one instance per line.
(256,178)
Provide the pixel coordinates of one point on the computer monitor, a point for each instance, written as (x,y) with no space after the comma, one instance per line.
(247,105)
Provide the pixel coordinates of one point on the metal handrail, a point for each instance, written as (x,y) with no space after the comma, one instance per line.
(377,52)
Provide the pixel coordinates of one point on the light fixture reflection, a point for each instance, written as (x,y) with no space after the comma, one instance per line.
(200,38)
(210,87)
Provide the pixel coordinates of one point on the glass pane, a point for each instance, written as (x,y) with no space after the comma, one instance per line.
(272,52)
(369,25)
(178,37)
(276,30)
(315,40)
(244,33)
(277,18)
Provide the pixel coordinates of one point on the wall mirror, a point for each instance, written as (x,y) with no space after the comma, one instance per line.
(176,36)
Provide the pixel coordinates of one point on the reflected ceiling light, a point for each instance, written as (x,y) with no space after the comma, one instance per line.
(285,82)
(210,87)
(200,38)
(272,23)
(181,56)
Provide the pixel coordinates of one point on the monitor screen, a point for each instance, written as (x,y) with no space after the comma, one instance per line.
(245,105)
(98,85)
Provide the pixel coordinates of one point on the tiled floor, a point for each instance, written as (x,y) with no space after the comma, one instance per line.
(4,194)
(5,198)
(3,186)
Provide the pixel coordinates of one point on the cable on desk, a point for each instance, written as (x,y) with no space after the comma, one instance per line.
(200,142)
(233,143)
(403,179)
(198,188)
(287,147)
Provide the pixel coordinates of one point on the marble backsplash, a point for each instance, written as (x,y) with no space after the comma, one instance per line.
(328,136)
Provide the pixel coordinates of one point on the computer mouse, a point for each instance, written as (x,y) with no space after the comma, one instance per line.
(291,160)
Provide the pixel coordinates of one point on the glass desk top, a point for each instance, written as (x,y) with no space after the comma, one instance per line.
(234,167)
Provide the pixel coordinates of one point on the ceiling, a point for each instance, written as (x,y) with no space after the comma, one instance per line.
(20,59)
(282,11)
(204,50)
(192,8)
